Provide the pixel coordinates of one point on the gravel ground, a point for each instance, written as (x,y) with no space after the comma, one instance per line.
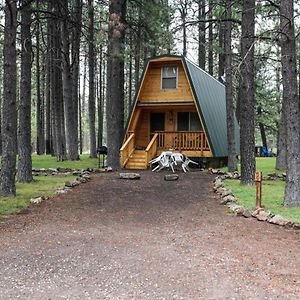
(145,239)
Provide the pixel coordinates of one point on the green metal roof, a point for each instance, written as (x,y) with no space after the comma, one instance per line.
(211,101)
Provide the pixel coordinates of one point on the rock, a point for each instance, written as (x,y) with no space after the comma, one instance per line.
(52,170)
(227,199)
(81,179)
(68,184)
(62,191)
(36,200)
(87,177)
(233,206)
(108,169)
(296,225)
(75,183)
(278,220)
(131,176)
(247,213)
(76,173)
(227,193)
(263,216)
(219,183)
(171,177)
(239,211)
(220,190)
(257,211)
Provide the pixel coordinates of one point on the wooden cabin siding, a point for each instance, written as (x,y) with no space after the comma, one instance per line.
(151,89)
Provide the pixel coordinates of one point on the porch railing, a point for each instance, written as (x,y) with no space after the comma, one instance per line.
(126,150)
(152,147)
(182,140)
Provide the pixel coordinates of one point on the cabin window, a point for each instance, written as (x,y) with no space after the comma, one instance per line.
(169,76)
(188,121)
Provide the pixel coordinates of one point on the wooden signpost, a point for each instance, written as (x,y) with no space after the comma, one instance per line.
(258,182)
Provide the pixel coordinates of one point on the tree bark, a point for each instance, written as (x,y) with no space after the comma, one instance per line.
(210,41)
(201,34)
(221,60)
(9,120)
(100,101)
(69,102)
(40,130)
(24,137)
(247,94)
(232,161)
(281,144)
(115,81)
(290,102)
(92,102)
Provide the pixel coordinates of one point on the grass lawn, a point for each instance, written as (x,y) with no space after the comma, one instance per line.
(41,186)
(272,191)
(48,161)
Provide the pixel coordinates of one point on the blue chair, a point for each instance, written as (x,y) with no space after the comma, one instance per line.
(266,152)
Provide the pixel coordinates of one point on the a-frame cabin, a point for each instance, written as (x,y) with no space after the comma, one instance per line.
(178,107)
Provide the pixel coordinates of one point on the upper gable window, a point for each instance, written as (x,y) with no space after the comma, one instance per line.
(169,75)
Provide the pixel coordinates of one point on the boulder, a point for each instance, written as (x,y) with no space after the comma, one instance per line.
(219,183)
(171,177)
(226,193)
(263,216)
(278,220)
(68,184)
(247,213)
(227,199)
(36,200)
(132,176)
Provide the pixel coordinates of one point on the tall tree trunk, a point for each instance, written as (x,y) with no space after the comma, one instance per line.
(24,141)
(9,120)
(56,88)
(40,134)
(92,105)
(1,97)
(69,102)
(115,81)
(201,34)
(290,103)
(100,101)
(247,94)
(76,34)
(221,60)
(281,144)
(232,161)
(210,41)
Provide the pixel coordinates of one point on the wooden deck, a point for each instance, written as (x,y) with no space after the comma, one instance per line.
(191,143)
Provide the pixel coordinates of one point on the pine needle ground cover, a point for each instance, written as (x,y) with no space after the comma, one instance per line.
(272,191)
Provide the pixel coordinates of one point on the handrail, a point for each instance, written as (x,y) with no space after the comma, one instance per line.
(151,148)
(126,150)
(127,141)
(151,142)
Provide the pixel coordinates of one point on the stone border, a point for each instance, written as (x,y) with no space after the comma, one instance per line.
(84,177)
(227,198)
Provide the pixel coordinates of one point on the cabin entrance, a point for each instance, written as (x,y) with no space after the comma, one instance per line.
(157,122)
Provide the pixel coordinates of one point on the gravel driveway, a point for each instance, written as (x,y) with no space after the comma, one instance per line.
(145,239)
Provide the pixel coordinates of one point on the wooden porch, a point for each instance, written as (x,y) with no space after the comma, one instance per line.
(191,143)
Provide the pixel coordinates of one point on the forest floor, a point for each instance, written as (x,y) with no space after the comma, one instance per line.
(145,239)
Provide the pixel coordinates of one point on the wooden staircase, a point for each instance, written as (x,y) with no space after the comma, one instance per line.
(137,160)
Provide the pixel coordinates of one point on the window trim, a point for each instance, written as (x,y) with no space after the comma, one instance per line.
(161,77)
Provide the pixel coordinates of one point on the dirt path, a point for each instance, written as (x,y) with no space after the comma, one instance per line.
(146,239)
